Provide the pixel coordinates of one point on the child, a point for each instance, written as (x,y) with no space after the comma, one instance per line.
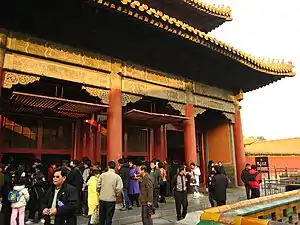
(93,197)
(18,208)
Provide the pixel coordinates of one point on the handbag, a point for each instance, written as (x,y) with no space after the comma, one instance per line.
(193,181)
(95,216)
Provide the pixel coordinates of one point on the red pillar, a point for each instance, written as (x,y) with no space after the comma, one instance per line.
(114,126)
(239,147)
(159,148)
(190,135)
(91,135)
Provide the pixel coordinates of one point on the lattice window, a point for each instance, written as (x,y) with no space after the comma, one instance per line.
(20,132)
(57,134)
(137,140)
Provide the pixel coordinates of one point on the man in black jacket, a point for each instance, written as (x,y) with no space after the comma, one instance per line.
(157,181)
(244,177)
(61,201)
(219,186)
(124,174)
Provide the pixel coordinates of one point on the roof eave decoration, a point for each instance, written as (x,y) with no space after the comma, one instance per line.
(159,19)
(220,11)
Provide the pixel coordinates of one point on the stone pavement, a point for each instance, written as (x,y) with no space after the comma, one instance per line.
(166,213)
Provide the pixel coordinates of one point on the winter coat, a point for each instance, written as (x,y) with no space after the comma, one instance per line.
(24,196)
(134,186)
(219,186)
(195,174)
(93,195)
(146,194)
(244,176)
(38,185)
(66,212)
(124,174)
(75,178)
(157,178)
(257,180)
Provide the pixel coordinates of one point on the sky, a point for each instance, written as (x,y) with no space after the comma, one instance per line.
(267,28)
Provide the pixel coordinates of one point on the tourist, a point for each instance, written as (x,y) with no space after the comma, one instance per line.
(164,183)
(134,186)
(195,180)
(157,182)
(219,186)
(179,184)
(254,180)
(75,179)
(209,187)
(85,176)
(61,200)
(222,168)
(124,174)
(18,206)
(146,195)
(110,186)
(244,177)
(37,192)
(93,197)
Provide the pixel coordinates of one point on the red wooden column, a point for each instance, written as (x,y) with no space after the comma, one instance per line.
(159,148)
(190,135)
(240,159)
(114,113)
(114,126)
(91,139)
(3,40)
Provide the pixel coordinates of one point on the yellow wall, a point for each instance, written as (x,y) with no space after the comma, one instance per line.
(218,144)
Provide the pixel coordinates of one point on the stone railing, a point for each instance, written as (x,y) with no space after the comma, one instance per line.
(278,209)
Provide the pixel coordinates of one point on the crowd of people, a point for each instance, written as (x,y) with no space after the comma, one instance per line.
(56,195)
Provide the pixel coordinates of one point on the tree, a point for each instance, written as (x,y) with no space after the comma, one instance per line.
(261,138)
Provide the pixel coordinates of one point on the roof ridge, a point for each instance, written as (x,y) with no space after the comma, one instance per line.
(269,66)
(283,139)
(221,11)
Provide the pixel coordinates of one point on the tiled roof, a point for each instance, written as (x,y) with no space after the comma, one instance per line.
(281,146)
(161,20)
(220,11)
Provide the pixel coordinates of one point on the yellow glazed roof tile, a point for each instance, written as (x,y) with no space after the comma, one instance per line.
(220,11)
(164,21)
(281,146)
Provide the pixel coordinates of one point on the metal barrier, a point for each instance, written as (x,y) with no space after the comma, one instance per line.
(276,186)
(274,209)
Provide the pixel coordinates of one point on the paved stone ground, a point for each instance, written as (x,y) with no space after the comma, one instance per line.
(166,213)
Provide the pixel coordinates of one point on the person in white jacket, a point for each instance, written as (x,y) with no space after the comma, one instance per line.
(18,208)
(195,178)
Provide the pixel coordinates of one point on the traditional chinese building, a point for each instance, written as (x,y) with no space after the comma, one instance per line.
(282,153)
(112,78)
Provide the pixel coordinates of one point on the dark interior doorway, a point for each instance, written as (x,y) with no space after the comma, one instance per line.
(175,143)
(56,159)
(18,158)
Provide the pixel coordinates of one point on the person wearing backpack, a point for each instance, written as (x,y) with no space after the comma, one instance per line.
(18,198)
(254,180)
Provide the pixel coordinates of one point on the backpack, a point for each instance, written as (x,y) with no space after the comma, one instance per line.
(252,177)
(13,196)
